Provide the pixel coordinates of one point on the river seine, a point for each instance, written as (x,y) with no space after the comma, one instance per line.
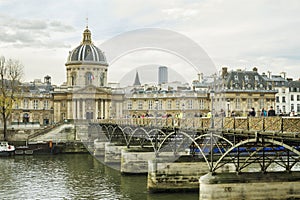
(72,176)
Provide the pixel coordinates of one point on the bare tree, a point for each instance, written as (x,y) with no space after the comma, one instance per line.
(11,72)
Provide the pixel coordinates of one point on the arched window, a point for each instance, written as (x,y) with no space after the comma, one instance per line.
(102,79)
(73,79)
(89,77)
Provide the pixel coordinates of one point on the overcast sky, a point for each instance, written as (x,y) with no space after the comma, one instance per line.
(234,33)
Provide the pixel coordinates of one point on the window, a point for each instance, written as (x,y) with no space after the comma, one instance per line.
(283,90)
(277,100)
(283,99)
(236,78)
(277,109)
(190,104)
(160,105)
(298,97)
(102,77)
(283,109)
(16,105)
(46,104)
(256,77)
(292,107)
(73,79)
(35,104)
(25,102)
(177,104)
(150,104)
(292,97)
(63,104)
(89,77)
(169,104)
(246,78)
(129,105)
(249,103)
(140,105)
(63,116)
(238,104)
(201,104)
(261,103)
(298,107)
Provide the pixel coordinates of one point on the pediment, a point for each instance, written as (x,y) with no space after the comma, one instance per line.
(91,89)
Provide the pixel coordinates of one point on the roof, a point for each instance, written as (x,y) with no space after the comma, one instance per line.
(86,52)
(250,80)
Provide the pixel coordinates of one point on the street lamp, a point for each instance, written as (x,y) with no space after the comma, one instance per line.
(156,132)
(228,104)
(183,105)
(212,94)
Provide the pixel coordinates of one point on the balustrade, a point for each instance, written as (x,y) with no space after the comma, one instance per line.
(255,124)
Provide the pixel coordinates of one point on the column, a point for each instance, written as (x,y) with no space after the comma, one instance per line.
(101,108)
(83,109)
(106,109)
(74,109)
(96,110)
(68,109)
(78,109)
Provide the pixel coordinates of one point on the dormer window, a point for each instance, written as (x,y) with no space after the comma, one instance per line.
(236,78)
(256,78)
(246,78)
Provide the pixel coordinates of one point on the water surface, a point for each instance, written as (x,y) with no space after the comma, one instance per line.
(72,176)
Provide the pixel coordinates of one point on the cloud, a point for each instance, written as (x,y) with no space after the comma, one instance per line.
(32,32)
(233,32)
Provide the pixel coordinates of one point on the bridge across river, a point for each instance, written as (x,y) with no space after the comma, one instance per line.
(237,140)
(268,146)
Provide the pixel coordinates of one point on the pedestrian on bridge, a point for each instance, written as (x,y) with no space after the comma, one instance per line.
(263,113)
(252,113)
(271,111)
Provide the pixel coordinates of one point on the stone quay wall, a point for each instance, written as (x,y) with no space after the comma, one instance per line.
(135,162)
(175,176)
(232,186)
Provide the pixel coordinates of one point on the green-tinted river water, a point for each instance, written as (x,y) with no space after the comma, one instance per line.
(72,176)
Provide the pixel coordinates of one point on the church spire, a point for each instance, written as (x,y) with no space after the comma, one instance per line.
(137,80)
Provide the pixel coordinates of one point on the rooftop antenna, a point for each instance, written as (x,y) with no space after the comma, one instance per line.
(87,22)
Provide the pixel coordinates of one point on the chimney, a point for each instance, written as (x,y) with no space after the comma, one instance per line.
(284,74)
(269,74)
(224,72)
(200,77)
(254,69)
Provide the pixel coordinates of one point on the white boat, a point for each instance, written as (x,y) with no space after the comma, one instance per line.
(6,149)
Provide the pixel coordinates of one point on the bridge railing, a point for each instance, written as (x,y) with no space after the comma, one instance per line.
(260,124)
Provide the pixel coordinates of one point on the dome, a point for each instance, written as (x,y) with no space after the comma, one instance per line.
(86,51)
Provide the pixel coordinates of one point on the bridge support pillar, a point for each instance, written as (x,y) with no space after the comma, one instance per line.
(112,153)
(99,150)
(250,185)
(175,176)
(134,161)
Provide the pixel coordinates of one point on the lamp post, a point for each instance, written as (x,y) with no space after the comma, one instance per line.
(156,132)
(212,94)
(183,105)
(228,104)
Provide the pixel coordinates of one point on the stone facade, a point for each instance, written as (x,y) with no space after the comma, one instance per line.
(239,91)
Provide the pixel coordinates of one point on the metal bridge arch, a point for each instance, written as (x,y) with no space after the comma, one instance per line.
(194,141)
(132,132)
(257,140)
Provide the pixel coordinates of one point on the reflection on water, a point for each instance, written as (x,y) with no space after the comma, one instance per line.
(77,176)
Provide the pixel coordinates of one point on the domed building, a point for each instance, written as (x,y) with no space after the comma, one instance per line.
(86,64)
(85,95)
